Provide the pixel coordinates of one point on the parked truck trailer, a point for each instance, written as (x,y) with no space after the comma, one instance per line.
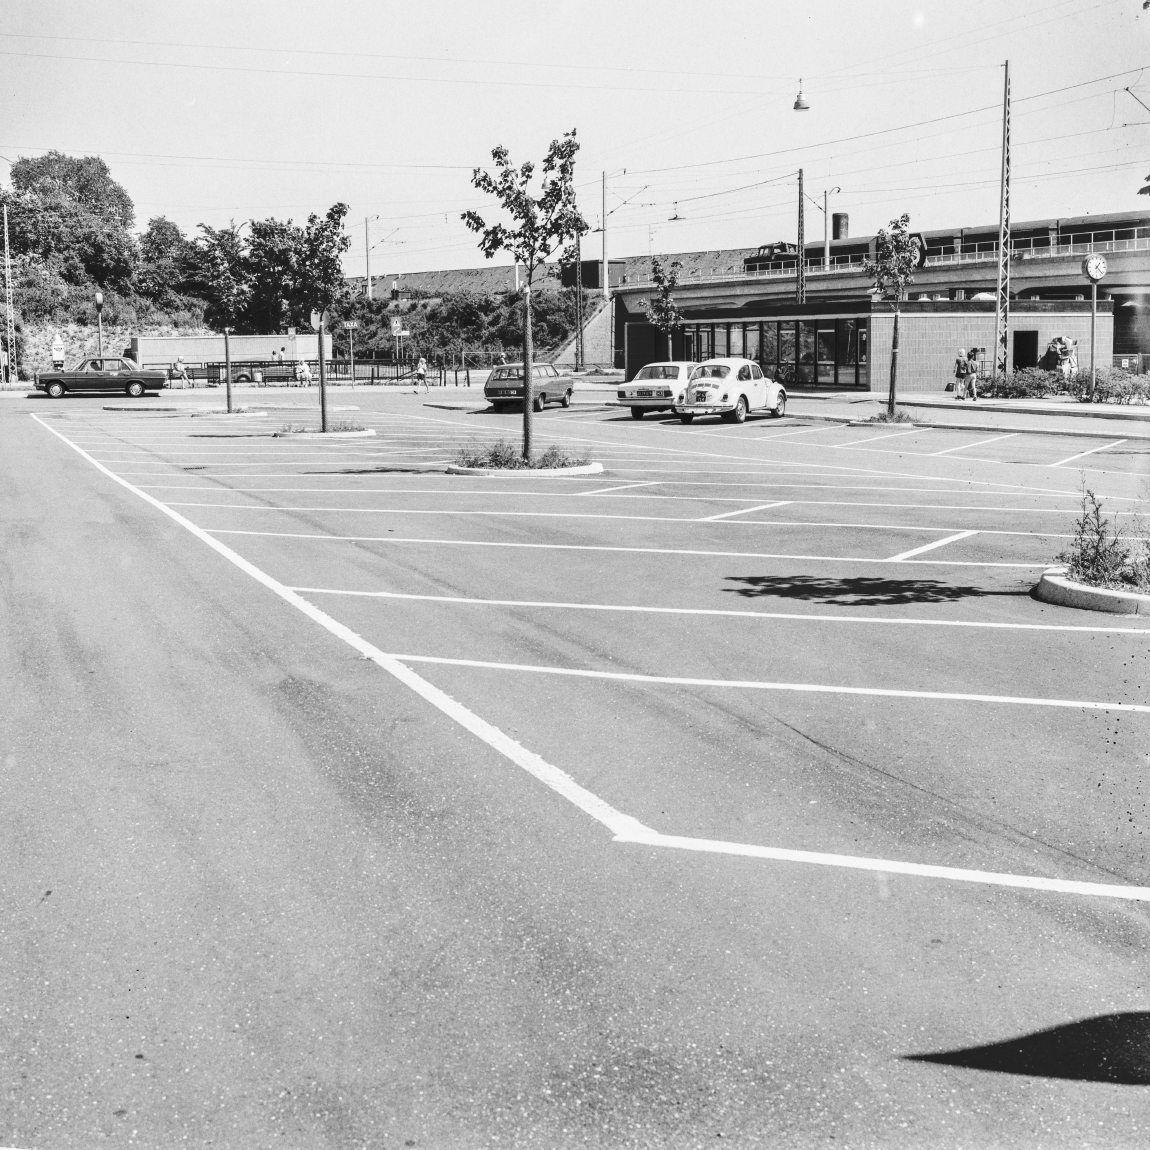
(165,350)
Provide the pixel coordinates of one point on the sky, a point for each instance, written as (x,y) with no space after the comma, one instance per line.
(223,110)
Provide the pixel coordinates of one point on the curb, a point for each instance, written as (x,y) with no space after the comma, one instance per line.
(1071,433)
(231,414)
(323,434)
(1054,587)
(582,469)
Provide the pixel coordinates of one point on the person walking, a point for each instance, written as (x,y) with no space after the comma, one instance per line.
(961,372)
(421,374)
(180,373)
(972,374)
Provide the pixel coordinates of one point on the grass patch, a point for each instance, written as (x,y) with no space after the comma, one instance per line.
(307,428)
(508,456)
(1100,556)
(885,416)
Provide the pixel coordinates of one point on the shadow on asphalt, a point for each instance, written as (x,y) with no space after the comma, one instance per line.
(860,591)
(1109,1048)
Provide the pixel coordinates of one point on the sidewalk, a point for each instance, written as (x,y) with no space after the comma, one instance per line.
(1057,416)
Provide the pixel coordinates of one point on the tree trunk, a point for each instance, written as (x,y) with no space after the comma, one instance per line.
(528,382)
(893,364)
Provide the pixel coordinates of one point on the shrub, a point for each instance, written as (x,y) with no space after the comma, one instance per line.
(1028,383)
(885,416)
(507,456)
(1099,556)
(1114,385)
(304,428)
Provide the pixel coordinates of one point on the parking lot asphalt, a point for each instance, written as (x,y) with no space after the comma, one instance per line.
(742,789)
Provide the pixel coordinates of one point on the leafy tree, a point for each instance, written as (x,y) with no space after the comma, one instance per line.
(537,227)
(891,270)
(85,181)
(662,311)
(167,262)
(221,276)
(319,279)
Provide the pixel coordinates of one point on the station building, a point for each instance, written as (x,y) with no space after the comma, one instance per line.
(841,336)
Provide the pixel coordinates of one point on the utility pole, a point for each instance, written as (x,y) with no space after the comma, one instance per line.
(367,251)
(800,262)
(1002,308)
(9,321)
(606,266)
(228,366)
(578,303)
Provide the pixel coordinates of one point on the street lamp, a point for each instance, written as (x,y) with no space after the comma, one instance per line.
(100,320)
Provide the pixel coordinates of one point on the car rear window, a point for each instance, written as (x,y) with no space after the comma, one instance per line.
(658,371)
(503,373)
(711,371)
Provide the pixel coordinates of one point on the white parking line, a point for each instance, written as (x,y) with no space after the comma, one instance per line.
(978,443)
(1081,454)
(605,490)
(931,546)
(618,549)
(741,511)
(720,612)
(795,688)
(876,438)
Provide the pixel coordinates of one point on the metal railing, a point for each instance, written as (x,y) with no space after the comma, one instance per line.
(1027,248)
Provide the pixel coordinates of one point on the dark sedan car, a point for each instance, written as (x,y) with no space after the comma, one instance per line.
(103,373)
(504,385)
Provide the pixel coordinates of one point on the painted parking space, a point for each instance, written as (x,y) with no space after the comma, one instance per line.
(316,544)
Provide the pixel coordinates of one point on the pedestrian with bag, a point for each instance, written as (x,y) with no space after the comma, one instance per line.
(961,373)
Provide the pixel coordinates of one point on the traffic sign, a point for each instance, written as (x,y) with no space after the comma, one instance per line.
(318,317)
(397,327)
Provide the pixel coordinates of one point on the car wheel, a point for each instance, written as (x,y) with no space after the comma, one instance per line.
(566,400)
(739,415)
(686,419)
(540,400)
(56,389)
(135,389)
(637,413)
(780,408)
(243,377)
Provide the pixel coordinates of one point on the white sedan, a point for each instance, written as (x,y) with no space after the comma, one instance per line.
(731,388)
(654,387)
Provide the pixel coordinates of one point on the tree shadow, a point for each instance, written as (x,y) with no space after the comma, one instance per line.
(1109,1048)
(859,590)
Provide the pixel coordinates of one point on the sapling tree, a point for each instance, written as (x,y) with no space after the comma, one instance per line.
(535,225)
(662,310)
(895,254)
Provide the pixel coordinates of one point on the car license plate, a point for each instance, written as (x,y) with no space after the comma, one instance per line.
(644,394)
(700,397)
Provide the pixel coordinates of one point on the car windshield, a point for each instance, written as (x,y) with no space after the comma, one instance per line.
(658,371)
(501,373)
(711,371)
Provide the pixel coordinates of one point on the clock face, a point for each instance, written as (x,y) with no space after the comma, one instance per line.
(1094,267)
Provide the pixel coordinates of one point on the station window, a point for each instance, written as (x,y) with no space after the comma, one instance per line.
(751,340)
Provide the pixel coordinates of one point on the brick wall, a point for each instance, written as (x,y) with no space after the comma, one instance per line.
(929,342)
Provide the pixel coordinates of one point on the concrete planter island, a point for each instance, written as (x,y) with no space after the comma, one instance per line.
(1054,587)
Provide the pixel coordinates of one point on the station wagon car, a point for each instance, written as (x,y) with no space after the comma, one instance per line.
(504,386)
(106,373)
(654,387)
(731,389)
